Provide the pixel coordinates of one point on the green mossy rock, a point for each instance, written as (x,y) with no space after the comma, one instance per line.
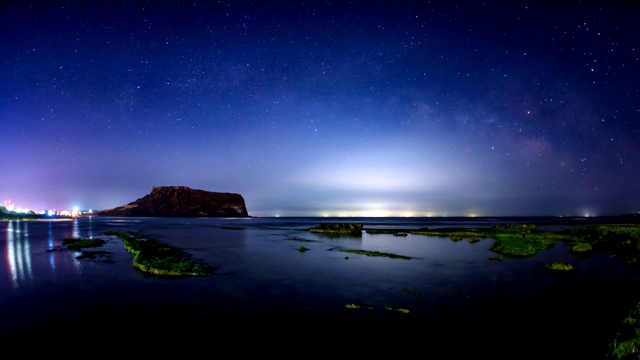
(512,248)
(359,306)
(626,344)
(377,253)
(338,229)
(158,259)
(78,244)
(397,309)
(581,247)
(558,266)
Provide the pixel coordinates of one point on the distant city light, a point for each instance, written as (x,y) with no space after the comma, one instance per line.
(10,206)
(375,213)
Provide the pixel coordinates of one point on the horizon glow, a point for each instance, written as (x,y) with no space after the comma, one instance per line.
(383,108)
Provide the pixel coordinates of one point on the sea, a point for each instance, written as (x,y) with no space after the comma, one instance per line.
(446,299)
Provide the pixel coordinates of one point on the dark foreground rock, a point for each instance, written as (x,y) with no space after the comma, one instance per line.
(177,201)
(338,229)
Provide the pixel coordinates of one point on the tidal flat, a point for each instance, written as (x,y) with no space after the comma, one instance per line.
(455,294)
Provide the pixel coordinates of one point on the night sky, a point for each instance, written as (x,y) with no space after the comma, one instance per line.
(324,108)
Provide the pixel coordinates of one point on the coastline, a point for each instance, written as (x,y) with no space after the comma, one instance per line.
(453,290)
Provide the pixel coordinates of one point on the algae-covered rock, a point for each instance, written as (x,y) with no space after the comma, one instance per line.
(513,248)
(522,242)
(397,309)
(581,247)
(79,244)
(158,259)
(377,253)
(626,344)
(338,229)
(359,306)
(516,246)
(559,266)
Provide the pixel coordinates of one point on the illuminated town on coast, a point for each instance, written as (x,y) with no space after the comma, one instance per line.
(9,208)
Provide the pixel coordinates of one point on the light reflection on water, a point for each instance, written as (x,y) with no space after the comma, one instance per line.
(31,250)
(260,270)
(76,231)
(52,244)
(18,253)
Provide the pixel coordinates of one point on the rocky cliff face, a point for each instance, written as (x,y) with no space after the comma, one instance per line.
(182,201)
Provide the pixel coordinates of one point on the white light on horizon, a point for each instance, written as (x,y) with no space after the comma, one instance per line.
(375,213)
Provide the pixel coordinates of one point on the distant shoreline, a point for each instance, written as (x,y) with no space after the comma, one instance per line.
(510,218)
(10,217)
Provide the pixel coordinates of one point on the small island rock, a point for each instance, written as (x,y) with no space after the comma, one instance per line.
(182,201)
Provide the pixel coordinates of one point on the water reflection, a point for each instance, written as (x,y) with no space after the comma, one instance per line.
(18,253)
(57,232)
(76,230)
(90,230)
(77,265)
(52,245)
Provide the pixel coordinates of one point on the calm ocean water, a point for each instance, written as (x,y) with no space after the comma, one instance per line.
(458,300)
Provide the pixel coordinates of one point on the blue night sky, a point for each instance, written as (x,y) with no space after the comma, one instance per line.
(317,108)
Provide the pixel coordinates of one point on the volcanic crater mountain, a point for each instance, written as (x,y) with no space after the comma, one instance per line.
(182,201)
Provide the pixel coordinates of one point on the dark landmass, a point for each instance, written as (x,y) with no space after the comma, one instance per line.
(182,201)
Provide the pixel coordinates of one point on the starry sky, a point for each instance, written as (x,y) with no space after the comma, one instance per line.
(324,108)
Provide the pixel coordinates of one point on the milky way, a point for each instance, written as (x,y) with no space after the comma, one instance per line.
(324,108)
